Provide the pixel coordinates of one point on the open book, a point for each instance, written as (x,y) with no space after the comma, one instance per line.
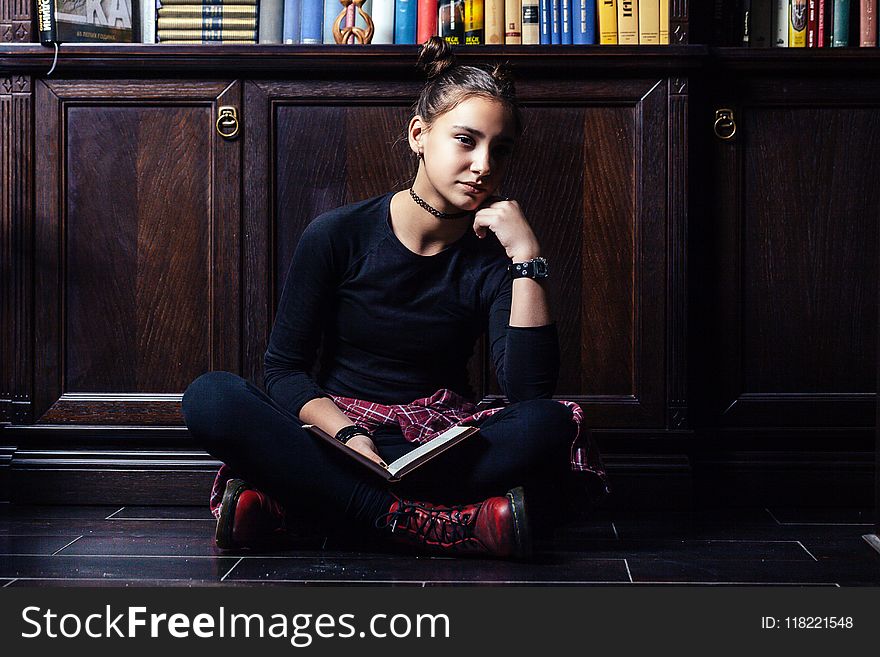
(408,462)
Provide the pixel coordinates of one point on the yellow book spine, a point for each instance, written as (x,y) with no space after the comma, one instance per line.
(513,22)
(649,22)
(493,17)
(797,24)
(628,22)
(473,22)
(664,22)
(215,23)
(206,35)
(607,21)
(196,11)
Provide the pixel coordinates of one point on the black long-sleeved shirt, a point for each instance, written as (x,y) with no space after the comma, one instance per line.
(397,326)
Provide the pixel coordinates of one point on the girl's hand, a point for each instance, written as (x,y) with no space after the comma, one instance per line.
(363,445)
(505,218)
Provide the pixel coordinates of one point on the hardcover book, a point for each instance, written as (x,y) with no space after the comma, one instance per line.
(401,467)
(797,24)
(493,20)
(82,21)
(607,21)
(531,23)
(473,22)
(664,22)
(761,24)
(513,22)
(868,24)
(628,22)
(451,21)
(839,27)
(584,27)
(649,22)
(781,12)
(426,21)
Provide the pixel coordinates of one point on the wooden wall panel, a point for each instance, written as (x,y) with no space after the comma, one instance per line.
(138,245)
(590,174)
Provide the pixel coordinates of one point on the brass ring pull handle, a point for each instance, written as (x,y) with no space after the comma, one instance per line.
(725,124)
(227,122)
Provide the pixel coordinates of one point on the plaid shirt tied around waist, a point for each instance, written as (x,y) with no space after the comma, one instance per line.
(424,419)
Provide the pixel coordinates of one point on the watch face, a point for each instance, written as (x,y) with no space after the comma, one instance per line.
(540,267)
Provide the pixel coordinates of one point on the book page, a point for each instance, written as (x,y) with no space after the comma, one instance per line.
(423,450)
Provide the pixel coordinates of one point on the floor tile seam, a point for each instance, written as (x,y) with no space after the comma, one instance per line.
(55,553)
(10,582)
(807,551)
(114,513)
(470,582)
(231,569)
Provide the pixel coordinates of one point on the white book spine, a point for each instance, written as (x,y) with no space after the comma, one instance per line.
(383,21)
(780,23)
(148,20)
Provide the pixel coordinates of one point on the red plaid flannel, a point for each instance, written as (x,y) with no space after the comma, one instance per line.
(426,418)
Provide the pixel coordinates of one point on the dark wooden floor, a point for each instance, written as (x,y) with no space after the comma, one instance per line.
(174,546)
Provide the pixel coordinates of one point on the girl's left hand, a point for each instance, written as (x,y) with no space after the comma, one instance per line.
(505,218)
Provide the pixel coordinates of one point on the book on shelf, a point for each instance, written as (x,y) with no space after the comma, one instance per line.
(426,21)
(812,24)
(450,21)
(312,23)
(797,24)
(410,461)
(627,22)
(405,16)
(271,21)
(584,25)
(531,22)
(473,23)
(224,35)
(513,22)
(565,34)
(649,22)
(761,33)
(839,27)
(607,19)
(292,25)
(75,21)
(780,12)
(664,22)
(868,23)
(493,21)
(555,22)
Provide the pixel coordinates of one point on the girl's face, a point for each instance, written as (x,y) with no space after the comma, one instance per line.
(466,152)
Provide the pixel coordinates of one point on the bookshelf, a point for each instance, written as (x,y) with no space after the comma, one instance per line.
(668,241)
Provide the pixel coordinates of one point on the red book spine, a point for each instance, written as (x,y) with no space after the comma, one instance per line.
(812,24)
(868,23)
(820,39)
(426,25)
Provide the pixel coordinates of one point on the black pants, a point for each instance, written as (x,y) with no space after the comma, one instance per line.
(525,444)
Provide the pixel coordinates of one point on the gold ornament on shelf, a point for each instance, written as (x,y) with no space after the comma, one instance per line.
(342,34)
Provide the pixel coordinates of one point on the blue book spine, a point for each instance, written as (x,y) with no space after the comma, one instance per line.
(584,26)
(405,15)
(292,21)
(312,21)
(555,23)
(565,9)
(546,22)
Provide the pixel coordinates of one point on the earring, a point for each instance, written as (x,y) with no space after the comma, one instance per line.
(421,154)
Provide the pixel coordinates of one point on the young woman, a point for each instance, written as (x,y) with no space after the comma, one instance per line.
(395,291)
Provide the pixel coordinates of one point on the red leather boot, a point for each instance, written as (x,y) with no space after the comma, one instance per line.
(496,527)
(249,519)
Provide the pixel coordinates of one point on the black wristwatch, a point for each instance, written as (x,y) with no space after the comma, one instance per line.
(347,433)
(534,268)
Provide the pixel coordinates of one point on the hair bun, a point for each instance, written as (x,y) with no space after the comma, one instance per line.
(435,57)
(503,74)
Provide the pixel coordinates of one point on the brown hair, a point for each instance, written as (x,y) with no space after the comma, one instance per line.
(450,83)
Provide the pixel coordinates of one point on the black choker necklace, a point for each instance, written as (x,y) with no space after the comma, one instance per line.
(435,211)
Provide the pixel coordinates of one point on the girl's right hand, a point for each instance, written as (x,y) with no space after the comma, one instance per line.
(363,445)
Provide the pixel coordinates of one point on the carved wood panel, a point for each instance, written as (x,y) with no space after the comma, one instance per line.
(798,210)
(138,224)
(590,173)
